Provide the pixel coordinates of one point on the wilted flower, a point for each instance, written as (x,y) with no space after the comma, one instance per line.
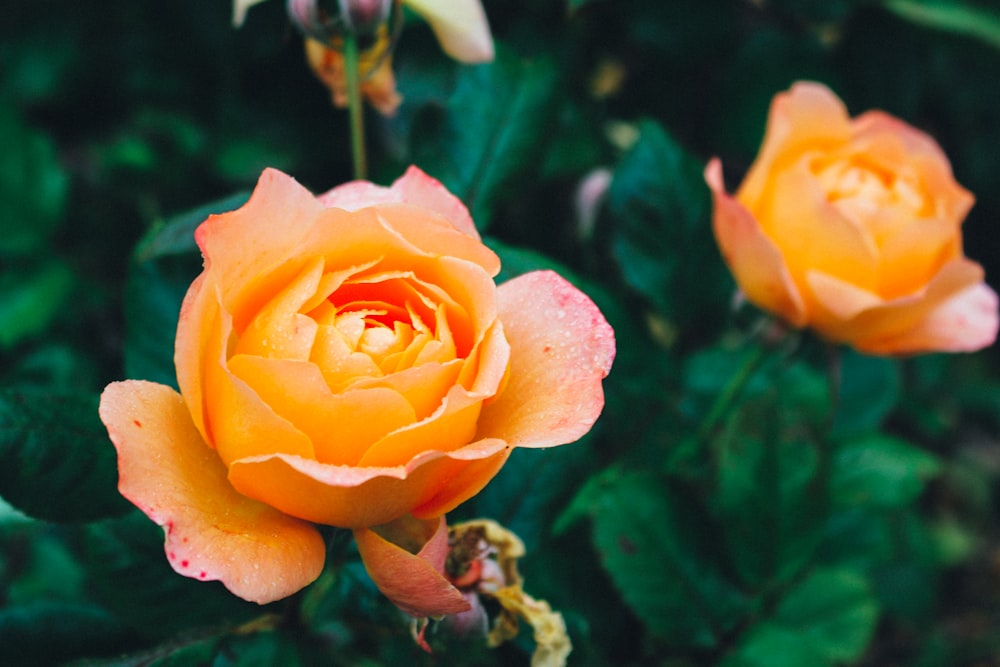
(460,26)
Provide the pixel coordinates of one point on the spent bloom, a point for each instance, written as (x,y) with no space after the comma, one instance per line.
(852,227)
(348,360)
(460,26)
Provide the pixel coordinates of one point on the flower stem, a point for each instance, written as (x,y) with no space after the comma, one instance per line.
(355,104)
(724,402)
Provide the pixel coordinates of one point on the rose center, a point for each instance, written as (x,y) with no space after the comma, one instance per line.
(861,190)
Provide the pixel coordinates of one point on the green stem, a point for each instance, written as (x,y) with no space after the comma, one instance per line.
(355,104)
(723,404)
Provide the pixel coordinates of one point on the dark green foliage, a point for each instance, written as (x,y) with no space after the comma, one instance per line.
(751,497)
(58,462)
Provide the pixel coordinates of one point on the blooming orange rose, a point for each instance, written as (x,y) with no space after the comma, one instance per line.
(853,228)
(347,360)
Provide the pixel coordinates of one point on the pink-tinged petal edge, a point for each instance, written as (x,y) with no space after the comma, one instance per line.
(212,532)
(756,263)
(414,187)
(561,349)
(966,322)
(413,581)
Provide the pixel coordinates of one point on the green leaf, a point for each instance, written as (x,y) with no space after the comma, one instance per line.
(662,237)
(29,302)
(489,139)
(834,610)
(880,471)
(153,296)
(33,186)
(130,575)
(176,235)
(59,464)
(768,645)
(51,633)
(955,16)
(770,501)
(869,390)
(661,554)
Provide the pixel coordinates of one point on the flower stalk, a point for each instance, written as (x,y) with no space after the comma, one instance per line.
(355,104)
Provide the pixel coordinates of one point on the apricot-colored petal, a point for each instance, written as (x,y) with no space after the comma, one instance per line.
(279,330)
(488,367)
(341,426)
(212,532)
(756,263)
(461,27)
(399,233)
(197,334)
(475,475)
(245,247)
(450,427)
(424,387)
(920,152)
(413,187)
(357,497)
(814,234)
(838,300)
(414,581)
(914,253)
(955,312)
(561,347)
(807,115)
(966,322)
(241,424)
(338,361)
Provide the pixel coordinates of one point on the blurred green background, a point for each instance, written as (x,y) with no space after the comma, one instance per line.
(810,524)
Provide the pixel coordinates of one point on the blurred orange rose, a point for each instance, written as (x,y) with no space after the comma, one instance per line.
(348,360)
(853,227)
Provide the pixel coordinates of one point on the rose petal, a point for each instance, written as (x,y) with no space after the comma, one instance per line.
(399,233)
(240,424)
(460,487)
(756,262)
(413,187)
(355,497)
(451,426)
(461,27)
(413,580)
(921,153)
(212,532)
(279,330)
(342,426)
(795,210)
(808,112)
(964,323)
(246,247)
(955,312)
(561,348)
